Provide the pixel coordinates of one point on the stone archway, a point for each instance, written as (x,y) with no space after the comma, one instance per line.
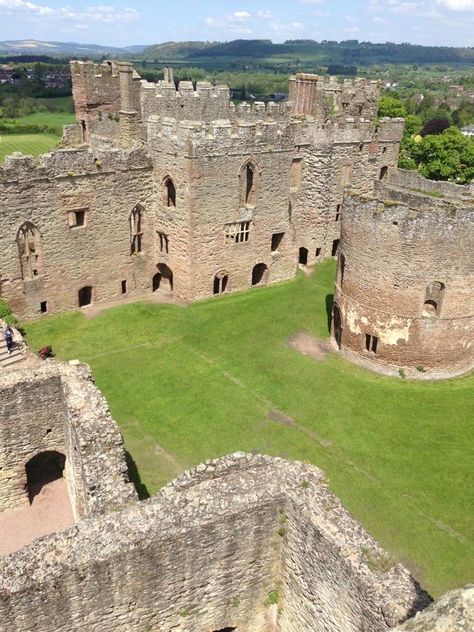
(43,468)
(259,274)
(163,279)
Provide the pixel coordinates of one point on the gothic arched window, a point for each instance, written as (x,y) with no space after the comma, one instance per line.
(136,230)
(29,247)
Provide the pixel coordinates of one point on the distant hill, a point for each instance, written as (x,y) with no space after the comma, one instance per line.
(38,47)
(351,52)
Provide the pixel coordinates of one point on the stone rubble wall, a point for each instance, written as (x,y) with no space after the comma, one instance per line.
(204,554)
(56,407)
(413,180)
(453,612)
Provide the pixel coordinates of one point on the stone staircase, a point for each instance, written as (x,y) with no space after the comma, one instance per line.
(10,361)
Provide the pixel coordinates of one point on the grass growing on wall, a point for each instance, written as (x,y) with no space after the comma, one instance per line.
(186,384)
(29,144)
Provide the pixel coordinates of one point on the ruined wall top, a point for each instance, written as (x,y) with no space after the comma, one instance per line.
(233,484)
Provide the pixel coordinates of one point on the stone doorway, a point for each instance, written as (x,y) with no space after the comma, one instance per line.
(85,296)
(163,279)
(42,469)
(259,274)
(303,256)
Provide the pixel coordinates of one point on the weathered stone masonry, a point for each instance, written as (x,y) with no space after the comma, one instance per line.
(229,197)
(57,408)
(404,293)
(204,554)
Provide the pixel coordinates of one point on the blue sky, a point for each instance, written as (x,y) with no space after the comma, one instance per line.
(126,22)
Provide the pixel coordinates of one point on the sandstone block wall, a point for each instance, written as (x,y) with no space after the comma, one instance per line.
(204,554)
(394,249)
(107,186)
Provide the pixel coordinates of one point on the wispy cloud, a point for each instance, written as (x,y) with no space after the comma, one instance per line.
(99,13)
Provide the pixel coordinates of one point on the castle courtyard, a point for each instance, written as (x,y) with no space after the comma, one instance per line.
(186,384)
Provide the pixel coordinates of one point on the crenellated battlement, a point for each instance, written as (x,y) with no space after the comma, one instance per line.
(220,133)
(69,163)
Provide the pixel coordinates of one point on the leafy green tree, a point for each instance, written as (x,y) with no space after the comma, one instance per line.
(446,156)
(392,107)
(464,115)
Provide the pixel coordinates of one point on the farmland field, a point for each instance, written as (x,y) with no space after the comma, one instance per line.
(30,144)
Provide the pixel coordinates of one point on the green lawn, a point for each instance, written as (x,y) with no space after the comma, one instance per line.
(30,144)
(43,118)
(186,384)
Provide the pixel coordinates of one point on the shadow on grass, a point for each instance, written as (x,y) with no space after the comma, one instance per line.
(134,476)
(329,304)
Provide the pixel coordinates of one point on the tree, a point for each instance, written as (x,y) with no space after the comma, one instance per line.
(445,156)
(392,107)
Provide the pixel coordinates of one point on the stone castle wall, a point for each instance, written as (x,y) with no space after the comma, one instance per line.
(405,276)
(107,186)
(205,554)
(56,408)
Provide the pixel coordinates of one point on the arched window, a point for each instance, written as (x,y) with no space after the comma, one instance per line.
(136,230)
(221,280)
(29,247)
(248,184)
(169,192)
(303,256)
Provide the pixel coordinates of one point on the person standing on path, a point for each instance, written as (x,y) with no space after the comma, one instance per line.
(8,336)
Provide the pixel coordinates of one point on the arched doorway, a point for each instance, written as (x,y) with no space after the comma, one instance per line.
(85,296)
(163,279)
(42,469)
(259,274)
(337,324)
(303,256)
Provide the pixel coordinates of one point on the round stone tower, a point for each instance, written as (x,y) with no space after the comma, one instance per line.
(404,287)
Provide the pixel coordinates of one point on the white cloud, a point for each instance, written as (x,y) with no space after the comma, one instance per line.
(457,5)
(402,8)
(312,1)
(99,13)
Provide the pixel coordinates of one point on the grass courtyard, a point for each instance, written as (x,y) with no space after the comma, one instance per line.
(187,384)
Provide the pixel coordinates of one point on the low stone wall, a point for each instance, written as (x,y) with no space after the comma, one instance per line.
(413,180)
(237,542)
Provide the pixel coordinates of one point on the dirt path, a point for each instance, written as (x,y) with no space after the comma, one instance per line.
(309,345)
(50,511)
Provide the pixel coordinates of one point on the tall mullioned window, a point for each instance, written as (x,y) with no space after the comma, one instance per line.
(136,230)
(29,246)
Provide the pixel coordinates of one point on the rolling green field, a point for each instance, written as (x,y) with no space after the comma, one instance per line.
(190,383)
(30,144)
(43,118)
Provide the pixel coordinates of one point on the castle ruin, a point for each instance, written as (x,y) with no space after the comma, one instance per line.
(177,191)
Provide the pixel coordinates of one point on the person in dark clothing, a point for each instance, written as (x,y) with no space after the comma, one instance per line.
(8,336)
